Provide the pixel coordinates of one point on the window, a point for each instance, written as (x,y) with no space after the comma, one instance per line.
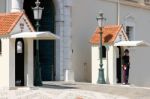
(19,47)
(104,52)
(0,46)
(129,32)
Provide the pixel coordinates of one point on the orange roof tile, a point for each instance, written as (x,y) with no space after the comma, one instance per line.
(8,21)
(110,33)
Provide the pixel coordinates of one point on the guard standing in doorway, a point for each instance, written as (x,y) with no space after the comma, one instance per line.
(126,66)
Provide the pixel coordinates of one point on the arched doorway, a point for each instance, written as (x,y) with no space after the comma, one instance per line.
(46,47)
(118,64)
(19,62)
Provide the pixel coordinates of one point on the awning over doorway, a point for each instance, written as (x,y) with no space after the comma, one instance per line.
(132,43)
(36,35)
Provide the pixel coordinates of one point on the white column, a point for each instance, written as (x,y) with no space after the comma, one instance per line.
(59,51)
(12,63)
(59,21)
(95,63)
(29,58)
(69,74)
(16,5)
(112,65)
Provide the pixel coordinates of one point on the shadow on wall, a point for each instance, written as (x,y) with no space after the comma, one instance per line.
(108,37)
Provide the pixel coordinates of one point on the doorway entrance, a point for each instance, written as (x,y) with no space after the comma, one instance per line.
(46,47)
(19,62)
(118,63)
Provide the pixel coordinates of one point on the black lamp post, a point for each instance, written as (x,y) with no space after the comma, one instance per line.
(100,20)
(37,11)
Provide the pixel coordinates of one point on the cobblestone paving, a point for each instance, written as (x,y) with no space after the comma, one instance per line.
(42,93)
(62,90)
(130,91)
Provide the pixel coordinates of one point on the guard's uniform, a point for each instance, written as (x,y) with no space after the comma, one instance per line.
(126,66)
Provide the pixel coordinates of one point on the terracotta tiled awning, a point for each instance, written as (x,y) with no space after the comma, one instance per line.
(8,21)
(110,33)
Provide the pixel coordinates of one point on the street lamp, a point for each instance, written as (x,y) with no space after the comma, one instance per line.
(100,20)
(37,11)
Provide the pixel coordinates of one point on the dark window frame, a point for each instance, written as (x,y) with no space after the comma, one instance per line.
(129,32)
(104,52)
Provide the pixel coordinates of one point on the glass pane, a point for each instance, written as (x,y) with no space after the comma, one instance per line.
(19,47)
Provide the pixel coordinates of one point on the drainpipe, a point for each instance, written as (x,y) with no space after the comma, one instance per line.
(118,12)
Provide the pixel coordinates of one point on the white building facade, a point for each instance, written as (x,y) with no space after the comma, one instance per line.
(63,56)
(133,15)
(74,24)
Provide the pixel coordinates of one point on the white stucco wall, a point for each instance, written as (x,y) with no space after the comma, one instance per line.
(83,25)
(109,64)
(112,65)
(7,61)
(11,63)
(139,56)
(95,64)
(29,66)
(4,63)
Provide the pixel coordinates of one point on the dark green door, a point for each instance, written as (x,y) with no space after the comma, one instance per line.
(46,47)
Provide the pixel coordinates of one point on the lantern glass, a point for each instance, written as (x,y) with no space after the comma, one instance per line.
(37,13)
(99,20)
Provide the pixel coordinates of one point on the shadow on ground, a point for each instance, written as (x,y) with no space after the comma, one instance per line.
(53,86)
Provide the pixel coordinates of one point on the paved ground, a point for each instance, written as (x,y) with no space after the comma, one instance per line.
(62,90)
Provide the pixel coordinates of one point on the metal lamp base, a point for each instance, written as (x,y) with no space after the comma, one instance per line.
(37,74)
(38,84)
(101,79)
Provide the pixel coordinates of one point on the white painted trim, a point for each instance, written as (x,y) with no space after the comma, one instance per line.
(132,43)
(36,35)
(131,23)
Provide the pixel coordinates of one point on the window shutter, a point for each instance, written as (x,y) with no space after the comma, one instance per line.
(147,2)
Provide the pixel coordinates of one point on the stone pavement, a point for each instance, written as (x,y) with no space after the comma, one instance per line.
(70,90)
(42,93)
